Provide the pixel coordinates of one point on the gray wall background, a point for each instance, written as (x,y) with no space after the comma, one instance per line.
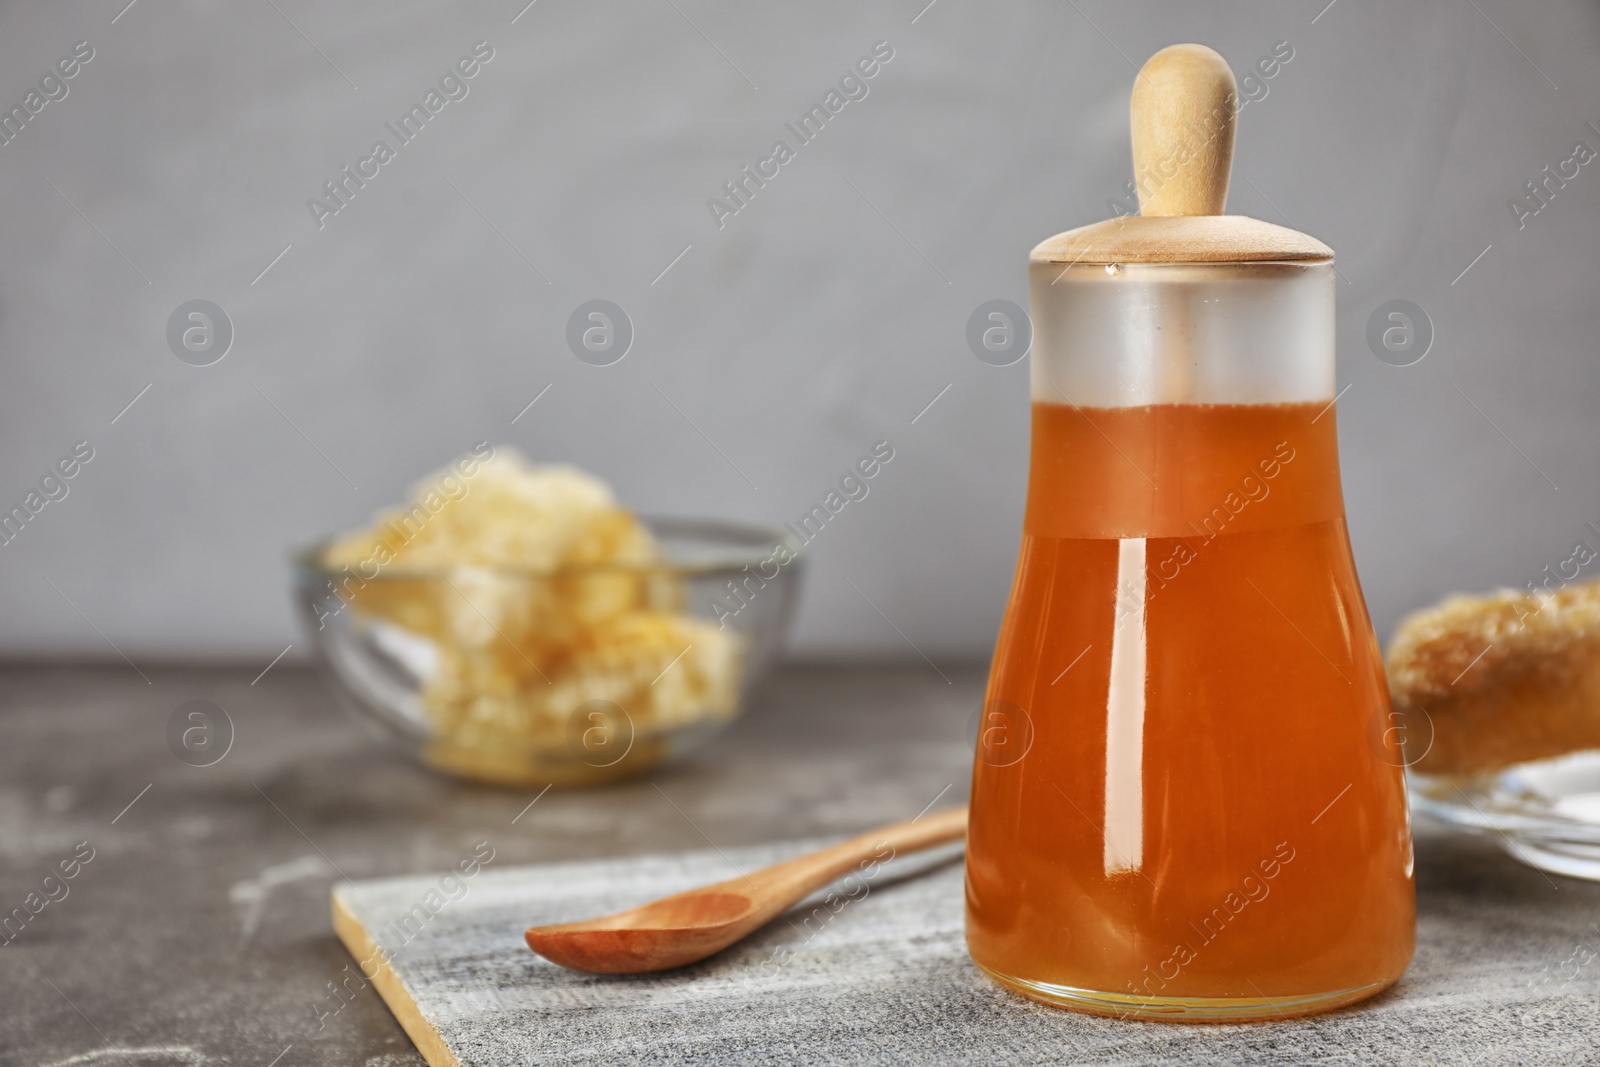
(825,315)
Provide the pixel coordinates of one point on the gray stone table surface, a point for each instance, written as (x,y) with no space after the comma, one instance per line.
(198,932)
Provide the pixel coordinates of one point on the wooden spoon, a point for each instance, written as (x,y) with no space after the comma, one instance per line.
(688,927)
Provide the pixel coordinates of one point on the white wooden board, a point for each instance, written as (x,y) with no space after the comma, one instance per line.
(885,979)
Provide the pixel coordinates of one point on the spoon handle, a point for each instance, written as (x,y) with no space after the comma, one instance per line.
(784,883)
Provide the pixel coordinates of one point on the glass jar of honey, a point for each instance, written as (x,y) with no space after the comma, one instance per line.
(1186,804)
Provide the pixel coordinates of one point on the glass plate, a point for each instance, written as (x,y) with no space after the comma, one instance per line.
(1546,814)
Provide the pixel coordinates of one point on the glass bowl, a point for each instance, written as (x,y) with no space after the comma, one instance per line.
(574,676)
(1546,814)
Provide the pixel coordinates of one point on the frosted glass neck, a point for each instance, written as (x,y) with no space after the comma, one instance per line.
(1182,333)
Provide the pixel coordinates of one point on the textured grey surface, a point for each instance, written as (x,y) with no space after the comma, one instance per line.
(201,926)
(792,338)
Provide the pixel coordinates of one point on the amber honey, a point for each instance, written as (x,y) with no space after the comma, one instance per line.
(1180,805)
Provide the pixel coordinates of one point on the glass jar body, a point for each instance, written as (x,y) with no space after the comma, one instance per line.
(1187,801)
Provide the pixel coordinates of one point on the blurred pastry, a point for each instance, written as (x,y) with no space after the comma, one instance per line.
(1504,678)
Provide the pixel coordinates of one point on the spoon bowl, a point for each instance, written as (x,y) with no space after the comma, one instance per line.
(667,933)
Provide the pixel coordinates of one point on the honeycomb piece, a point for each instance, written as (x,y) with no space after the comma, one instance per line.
(540,594)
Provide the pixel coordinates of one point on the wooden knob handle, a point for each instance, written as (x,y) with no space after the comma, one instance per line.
(1184,102)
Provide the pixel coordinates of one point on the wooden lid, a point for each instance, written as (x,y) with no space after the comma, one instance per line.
(1182,239)
(1183,109)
